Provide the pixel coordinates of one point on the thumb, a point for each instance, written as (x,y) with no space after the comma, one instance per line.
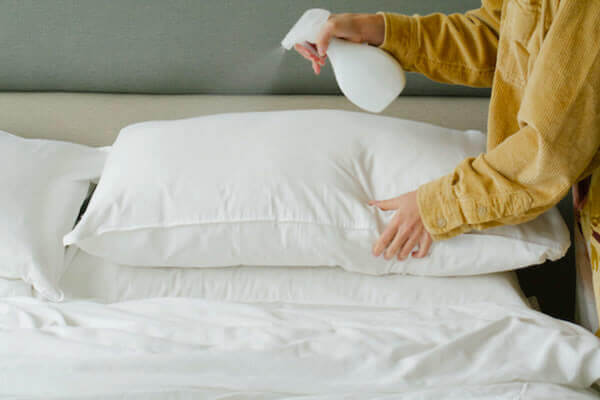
(324,38)
(385,205)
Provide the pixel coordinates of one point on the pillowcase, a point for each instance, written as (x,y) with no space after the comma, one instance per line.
(43,186)
(287,189)
(91,277)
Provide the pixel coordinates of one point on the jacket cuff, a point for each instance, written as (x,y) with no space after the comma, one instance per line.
(445,215)
(440,210)
(400,38)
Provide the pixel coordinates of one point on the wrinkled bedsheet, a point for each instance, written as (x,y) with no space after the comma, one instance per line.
(192,348)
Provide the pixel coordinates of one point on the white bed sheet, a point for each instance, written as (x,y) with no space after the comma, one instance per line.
(90,277)
(186,348)
(510,391)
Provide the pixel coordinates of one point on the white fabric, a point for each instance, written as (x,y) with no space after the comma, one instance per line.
(15,287)
(90,277)
(43,186)
(508,391)
(585,298)
(186,345)
(287,188)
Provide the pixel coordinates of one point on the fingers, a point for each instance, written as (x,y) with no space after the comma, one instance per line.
(402,235)
(309,54)
(386,205)
(303,52)
(399,239)
(312,51)
(316,61)
(316,68)
(410,244)
(386,237)
(424,245)
(405,230)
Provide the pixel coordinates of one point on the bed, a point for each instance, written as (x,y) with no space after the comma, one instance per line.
(249,333)
(166,334)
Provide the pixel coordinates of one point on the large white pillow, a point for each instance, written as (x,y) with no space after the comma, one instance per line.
(43,185)
(91,277)
(287,189)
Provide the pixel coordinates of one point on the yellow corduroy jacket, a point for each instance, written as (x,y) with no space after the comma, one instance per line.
(541,58)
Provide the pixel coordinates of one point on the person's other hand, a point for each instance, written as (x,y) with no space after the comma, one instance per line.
(405,231)
(309,51)
(580,195)
(358,28)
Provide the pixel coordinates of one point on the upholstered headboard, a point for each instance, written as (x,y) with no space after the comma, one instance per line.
(199,47)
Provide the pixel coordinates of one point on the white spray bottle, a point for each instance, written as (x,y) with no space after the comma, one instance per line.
(369,77)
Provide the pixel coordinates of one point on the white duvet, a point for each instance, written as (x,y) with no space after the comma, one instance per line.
(193,348)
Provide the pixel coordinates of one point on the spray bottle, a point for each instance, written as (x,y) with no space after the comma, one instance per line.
(369,77)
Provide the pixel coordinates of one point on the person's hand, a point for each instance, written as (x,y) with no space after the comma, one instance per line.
(580,195)
(405,231)
(358,28)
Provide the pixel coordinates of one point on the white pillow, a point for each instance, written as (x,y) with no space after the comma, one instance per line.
(43,186)
(91,277)
(287,189)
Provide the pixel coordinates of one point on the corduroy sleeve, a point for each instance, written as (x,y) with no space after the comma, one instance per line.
(559,135)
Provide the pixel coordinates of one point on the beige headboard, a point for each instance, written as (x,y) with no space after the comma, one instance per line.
(95,119)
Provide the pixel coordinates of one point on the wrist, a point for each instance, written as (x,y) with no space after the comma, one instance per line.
(372,28)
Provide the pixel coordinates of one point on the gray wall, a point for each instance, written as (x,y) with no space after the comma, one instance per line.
(177,46)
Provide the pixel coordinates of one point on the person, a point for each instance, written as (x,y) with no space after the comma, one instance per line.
(540,57)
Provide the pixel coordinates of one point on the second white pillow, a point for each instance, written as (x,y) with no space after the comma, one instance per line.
(287,188)
(43,184)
